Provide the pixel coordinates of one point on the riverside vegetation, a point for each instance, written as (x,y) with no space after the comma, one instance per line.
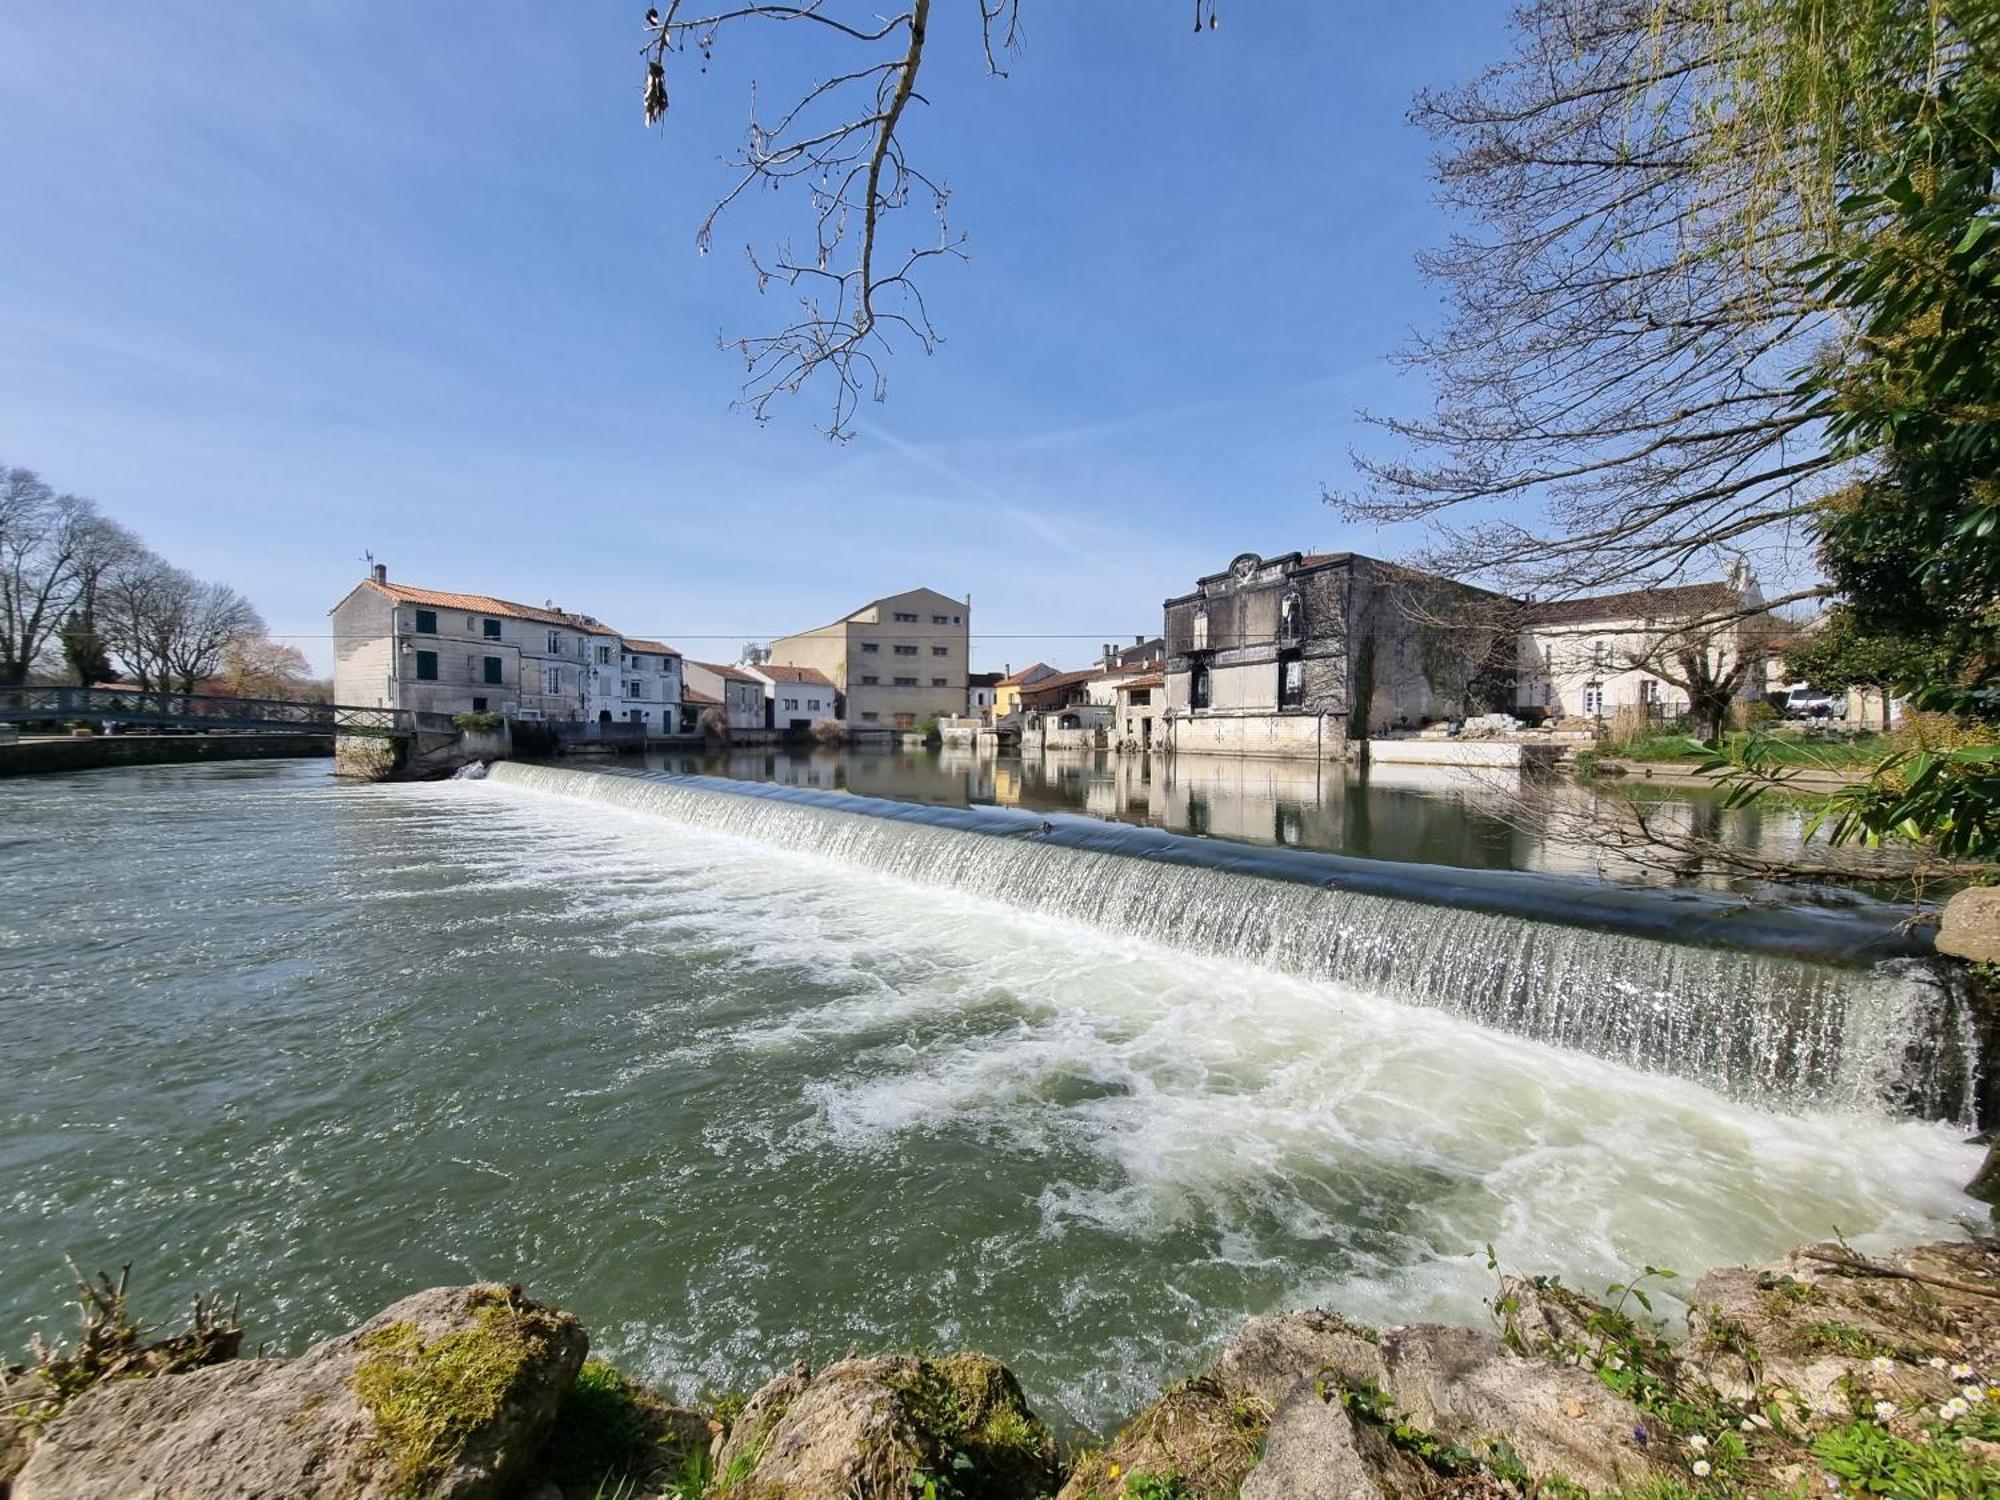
(1826,1373)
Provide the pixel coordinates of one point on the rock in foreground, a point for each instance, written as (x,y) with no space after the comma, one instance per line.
(448,1393)
(883,1428)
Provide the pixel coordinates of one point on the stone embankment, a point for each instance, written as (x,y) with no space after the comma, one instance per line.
(1819,1374)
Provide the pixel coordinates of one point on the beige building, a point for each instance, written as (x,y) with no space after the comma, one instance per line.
(896,662)
(734,690)
(1604,657)
(436,651)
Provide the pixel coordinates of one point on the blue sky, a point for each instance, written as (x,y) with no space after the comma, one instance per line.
(284,283)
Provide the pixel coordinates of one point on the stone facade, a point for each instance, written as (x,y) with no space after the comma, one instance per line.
(896,662)
(1295,655)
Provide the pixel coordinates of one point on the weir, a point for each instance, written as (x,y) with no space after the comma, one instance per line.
(1796,1007)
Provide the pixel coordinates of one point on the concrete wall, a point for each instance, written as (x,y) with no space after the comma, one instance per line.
(93,752)
(1322,736)
(1439,752)
(364,647)
(935,653)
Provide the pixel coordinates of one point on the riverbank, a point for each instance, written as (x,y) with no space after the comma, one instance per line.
(51,755)
(1820,1372)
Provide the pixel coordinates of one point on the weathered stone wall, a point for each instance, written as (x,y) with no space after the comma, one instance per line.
(89,753)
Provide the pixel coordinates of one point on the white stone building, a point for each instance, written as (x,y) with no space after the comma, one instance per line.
(1611,654)
(795,698)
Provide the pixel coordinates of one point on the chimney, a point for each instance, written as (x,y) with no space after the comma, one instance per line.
(1138,640)
(381,572)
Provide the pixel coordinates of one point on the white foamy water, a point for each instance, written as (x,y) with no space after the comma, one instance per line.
(1252,1127)
(734,1102)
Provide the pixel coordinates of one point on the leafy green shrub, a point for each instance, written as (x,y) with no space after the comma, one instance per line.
(476,723)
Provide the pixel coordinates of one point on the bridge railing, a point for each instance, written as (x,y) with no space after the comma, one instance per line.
(194,710)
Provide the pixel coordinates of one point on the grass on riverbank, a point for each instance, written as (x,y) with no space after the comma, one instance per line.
(1822,752)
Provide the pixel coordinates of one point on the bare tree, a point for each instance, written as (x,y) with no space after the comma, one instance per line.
(53,550)
(1616,379)
(170,630)
(255,666)
(841,143)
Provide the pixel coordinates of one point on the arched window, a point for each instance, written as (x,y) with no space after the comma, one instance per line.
(1201,628)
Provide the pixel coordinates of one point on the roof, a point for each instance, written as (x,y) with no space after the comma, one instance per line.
(1032,673)
(1680,601)
(649,648)
(730,674)
(809,675)
(983,679)
(486,604)
(696,695)
(1150,680)
(1057,681)
(857,617)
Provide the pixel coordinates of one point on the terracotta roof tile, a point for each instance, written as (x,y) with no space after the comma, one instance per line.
(488,604)
(649,648)
(696,695)
(1028,674)
(732,674)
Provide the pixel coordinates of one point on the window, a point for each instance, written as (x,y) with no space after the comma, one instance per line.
(555,643)
(604,656)
(1198,684)
(871,681)
(940,651)
(956,620)
(1291,680)
(938,620)
(870,718)
(1593,698)
(1142,697)
(479,705)
(871,648)
(635,689)
(903,619)
(491,670)
(551,680)
(940,682)
(1548,658)
(1597,655)
(1201,630)
(491,628)
(1288,617)
(1649,691)
(906,682)
(906,650)
(427,666)
(427,622)
(792,705)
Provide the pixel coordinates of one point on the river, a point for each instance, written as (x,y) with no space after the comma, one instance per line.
(734,1101)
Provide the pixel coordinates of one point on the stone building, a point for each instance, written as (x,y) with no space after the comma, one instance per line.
(732,689)
(1295,655)
(896,662)
(444,652)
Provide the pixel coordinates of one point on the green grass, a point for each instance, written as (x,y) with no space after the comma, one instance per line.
(1843,754)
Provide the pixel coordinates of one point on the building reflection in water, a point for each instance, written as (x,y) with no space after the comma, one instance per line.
(1485,819)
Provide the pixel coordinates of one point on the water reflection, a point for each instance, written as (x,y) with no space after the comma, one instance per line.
(1478,819)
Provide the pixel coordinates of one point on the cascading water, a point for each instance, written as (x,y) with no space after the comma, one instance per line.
(1800,1009)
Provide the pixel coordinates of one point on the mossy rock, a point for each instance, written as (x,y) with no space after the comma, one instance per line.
(1197,1442)
(446,1395)
(885,1427)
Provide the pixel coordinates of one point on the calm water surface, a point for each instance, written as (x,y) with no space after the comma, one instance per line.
(323,1044)
(1479,819)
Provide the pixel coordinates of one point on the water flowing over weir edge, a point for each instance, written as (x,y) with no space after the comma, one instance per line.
(1788,1007)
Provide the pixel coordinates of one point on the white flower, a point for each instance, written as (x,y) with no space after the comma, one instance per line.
(1881,1364)
(1972,1393)
(1961,1372)
(1884,1410)
(1698,1443)
(1952,1410)
(1614,1363)
(1832,1482)
(1701,1468)
(1937,1361)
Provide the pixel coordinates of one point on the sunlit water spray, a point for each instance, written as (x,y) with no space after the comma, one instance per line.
(1765,1025)
(735,1102)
